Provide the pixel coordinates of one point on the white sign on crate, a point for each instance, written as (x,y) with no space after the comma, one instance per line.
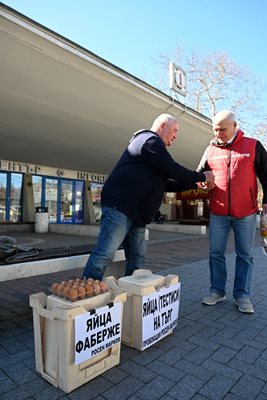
(97,332)
(159,314)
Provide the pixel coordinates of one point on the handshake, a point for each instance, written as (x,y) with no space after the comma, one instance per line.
(209,182)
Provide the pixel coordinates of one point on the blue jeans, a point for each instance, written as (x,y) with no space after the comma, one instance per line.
(244,233)
(116,229)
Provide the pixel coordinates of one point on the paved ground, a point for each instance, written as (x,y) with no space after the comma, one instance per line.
(214,352)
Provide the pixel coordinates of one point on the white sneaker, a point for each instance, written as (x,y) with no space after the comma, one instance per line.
(244,305)
(212,299)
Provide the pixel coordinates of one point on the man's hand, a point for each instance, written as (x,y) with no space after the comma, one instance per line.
(209,183)
(209,176)
(206,185)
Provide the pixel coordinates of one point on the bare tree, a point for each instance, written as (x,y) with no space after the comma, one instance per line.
(215,82)
(260,132)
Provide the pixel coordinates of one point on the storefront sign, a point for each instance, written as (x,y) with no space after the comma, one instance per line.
(14,166)
(159,314)
(97,332)
(87,176)
(193,194)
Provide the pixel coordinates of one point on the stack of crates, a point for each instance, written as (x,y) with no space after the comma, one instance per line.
(55,342)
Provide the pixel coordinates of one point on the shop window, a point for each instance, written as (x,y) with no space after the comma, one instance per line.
(78,193)
(96,189)
(62,197)
(15,197)
(3,196)
(51,196)
(66,206)
(10,197)
(37,190)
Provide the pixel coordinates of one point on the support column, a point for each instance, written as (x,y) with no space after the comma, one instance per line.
(89,212)
(28,210)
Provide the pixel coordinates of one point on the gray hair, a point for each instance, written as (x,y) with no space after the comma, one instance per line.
(224,115)
(163,118)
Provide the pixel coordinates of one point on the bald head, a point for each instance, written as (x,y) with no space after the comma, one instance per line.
(166,126)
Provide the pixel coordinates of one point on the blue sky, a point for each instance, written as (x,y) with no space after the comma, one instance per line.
(132,34)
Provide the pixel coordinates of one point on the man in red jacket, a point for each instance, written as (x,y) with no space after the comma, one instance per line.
(236,161)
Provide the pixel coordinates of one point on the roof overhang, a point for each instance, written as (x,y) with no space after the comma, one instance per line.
(62,106)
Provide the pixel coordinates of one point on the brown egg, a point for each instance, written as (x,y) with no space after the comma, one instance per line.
(73,294)
(97,281)
(89,289)
(82,292)
(103,287)
(90,280)
(66,291)
(71,281)
(54,288)
(59,290)
(96,287)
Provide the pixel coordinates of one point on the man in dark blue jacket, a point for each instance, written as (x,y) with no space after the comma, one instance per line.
(133,193)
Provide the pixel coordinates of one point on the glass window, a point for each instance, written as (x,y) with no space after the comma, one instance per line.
(96,189)
(15,197)
(66,208)
(51,196)
(3,186)
(10,197)
(37,190)
(62,197)
(78,214)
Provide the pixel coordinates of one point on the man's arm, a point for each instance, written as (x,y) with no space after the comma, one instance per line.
(156,155)
(260,164)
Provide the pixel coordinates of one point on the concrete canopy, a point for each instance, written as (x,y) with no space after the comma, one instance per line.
(62,106)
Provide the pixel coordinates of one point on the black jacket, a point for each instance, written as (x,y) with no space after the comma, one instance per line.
(144,172)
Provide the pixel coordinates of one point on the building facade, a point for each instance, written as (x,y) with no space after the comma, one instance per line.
(66,116)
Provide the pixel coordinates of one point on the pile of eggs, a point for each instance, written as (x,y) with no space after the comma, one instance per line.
(78,289)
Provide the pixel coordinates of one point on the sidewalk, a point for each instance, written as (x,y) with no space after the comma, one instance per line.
(214,352)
